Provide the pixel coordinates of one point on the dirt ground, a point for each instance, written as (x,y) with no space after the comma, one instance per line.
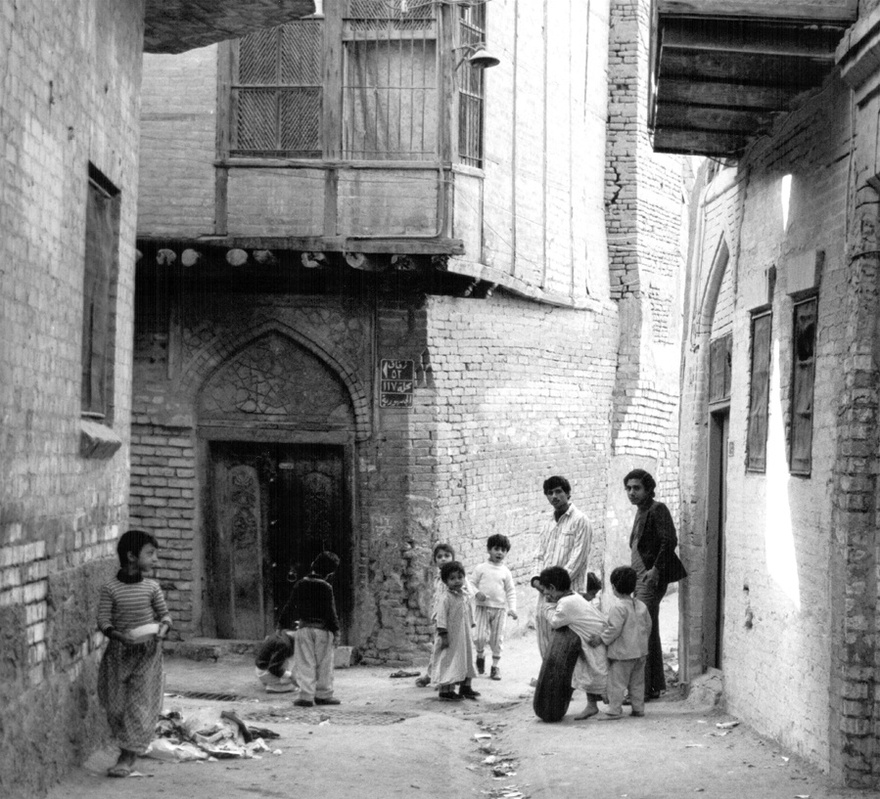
(390,738)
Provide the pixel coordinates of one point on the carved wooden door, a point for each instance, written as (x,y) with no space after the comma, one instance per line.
(275,507)
(309,515)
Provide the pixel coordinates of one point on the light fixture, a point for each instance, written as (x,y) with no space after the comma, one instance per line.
(477,55)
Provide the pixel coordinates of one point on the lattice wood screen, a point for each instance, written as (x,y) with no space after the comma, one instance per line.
(277,98)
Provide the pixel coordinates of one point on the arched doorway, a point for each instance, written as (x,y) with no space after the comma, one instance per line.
(277,429)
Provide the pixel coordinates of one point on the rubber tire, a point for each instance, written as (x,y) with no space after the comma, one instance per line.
(553,692)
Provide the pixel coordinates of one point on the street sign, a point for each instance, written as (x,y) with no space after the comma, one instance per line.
(396,383)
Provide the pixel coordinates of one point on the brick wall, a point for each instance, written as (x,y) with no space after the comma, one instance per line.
(645,218)
(65,99)
(779,632)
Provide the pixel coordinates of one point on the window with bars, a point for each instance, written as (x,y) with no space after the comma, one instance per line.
(389,91)
(472,31)
(759,392)
(803,373)
(277,94)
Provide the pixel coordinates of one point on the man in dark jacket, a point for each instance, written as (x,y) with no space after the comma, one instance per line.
(652,544)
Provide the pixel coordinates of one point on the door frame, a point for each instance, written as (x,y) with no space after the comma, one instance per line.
(203,617)
(716,518)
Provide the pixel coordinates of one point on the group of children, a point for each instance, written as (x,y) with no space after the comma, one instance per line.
(470,616)
(614,646)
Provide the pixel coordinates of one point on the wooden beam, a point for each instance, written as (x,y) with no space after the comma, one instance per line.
(711,118)
(723,93)
(813,10)
(692,142)
(737,36)
(743,68)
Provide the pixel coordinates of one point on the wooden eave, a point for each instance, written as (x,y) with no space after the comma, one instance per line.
(174,26)
(723,70)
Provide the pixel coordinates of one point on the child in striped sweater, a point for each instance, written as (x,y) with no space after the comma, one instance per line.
(133,615)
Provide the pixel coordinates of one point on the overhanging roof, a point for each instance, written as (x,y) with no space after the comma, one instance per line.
(722,70)
(174,26)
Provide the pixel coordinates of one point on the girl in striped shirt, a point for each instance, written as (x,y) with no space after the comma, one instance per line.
(133,615)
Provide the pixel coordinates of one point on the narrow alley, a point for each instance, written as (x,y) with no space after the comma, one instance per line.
(392,739)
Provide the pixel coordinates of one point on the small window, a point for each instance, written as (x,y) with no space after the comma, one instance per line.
(719,369)
(472,30)
(99,292)
(277,94)
(759,392)
(803,374)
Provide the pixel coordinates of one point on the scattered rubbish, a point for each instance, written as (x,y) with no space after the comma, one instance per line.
(481,736)
(802,796)
(694,746)
(699,790)
(503,770)
(784,758)
(206,736)
(727,725)
(402,673)
(491,760)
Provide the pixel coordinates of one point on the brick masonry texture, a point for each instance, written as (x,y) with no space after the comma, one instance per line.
(785,657)
(68,96)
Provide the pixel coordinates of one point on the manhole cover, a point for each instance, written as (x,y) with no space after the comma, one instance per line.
(206,695)
(316,716)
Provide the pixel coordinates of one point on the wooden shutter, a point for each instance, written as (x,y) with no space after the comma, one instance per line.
(759,393)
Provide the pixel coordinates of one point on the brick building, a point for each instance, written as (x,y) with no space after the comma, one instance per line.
(349,201)
(779,433)
(69,106)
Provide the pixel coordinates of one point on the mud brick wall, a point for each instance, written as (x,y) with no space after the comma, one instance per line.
(65,100)
(783,584)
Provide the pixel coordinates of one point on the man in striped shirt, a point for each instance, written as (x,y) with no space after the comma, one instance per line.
(565,541)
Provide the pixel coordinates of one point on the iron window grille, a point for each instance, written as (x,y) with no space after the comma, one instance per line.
(471,31)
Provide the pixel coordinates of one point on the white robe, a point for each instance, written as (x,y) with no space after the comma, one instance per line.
(455,663)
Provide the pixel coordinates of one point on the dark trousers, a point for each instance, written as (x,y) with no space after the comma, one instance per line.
(655,679)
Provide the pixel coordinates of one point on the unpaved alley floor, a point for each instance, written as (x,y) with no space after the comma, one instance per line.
(392,739)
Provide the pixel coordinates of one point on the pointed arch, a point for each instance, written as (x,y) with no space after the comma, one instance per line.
(216,355)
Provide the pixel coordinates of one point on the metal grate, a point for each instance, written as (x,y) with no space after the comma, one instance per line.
(390,81)
(206,695)
(343,717)
(471,30)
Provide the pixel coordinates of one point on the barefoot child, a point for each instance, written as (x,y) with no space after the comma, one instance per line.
(626,636)
(443,553)
(495,595)
(566,608)
(133,615)
(454,664)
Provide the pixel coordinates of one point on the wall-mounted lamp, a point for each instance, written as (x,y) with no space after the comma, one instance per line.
(477,55)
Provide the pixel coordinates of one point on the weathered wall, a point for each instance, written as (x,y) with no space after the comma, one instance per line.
(544,145)
(779,582)
(508,392)
(68,96)
(645,217)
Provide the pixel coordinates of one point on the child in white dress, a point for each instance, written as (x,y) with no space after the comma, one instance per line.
(454,660)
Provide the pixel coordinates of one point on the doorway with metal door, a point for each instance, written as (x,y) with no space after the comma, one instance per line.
(275,506)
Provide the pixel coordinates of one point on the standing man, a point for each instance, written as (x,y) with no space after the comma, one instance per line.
(565,541)
(652,544)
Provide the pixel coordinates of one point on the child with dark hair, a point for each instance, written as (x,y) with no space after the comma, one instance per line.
(454,663)
(313,609)
(495,595)
(565,608)
(594,586)
(442,553)
(626,637)
(133,615)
